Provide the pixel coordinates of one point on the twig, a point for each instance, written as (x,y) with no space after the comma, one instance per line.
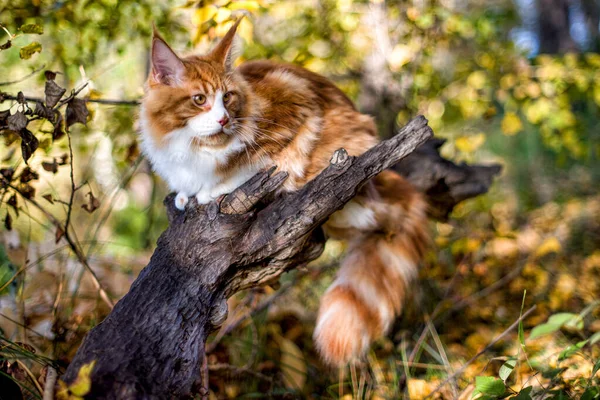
(51,376)
(237,370)
(421,365)
(78,253)
(23,78)
(443,355)
(31,376)
(112,102)
(476,356)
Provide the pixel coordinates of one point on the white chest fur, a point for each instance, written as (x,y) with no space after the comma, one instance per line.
(191,172)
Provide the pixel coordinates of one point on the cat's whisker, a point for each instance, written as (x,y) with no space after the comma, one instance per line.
(261,119)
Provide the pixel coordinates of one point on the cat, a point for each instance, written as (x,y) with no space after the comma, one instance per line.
(207,127)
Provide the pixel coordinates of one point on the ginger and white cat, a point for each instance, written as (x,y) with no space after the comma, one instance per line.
(207,127)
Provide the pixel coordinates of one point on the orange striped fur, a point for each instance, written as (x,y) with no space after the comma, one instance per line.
(280,114)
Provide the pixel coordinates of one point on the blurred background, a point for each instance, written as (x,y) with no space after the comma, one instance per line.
(515,82)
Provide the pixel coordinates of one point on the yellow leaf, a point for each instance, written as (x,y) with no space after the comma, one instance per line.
(222,15)
(469,144)
(244,5)
(293,365)
(80,386)
(203,14)
(511,124)
(477,79)
(550,245)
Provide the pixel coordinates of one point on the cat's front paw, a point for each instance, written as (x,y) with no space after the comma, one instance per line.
(204,197)
(181,201)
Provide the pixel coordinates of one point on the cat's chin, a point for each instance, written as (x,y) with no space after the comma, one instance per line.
(218,139)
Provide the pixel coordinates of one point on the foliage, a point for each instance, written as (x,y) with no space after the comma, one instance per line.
(83,210)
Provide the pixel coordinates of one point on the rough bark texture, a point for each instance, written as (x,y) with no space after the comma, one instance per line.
(444,183)
(152,343)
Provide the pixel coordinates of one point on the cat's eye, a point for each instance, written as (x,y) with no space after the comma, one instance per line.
(227,97)
(199,99)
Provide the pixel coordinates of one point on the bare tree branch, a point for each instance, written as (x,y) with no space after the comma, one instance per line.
(152,343)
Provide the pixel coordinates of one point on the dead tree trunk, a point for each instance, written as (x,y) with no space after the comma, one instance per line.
(151,346)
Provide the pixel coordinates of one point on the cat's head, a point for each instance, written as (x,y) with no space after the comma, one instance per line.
(194,98)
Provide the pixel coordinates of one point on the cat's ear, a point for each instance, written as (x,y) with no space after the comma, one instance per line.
(225,52)
(166,67)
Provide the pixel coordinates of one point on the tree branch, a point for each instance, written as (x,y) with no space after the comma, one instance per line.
(152,343)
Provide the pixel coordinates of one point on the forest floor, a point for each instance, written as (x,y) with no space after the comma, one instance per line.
(507,306)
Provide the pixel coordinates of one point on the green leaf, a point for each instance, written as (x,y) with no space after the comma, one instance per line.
(542,330)
(594,338)
(507,368)
(596,368)
(7,270)
(27,51)
(489,385)
(555,322)
(570,350)
(553,372)
(590,393)
(32,28)
(521,331)
(524,394)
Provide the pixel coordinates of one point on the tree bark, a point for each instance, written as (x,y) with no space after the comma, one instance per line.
(151,346)
(554,27)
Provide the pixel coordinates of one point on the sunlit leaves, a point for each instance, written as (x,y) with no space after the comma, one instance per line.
(488,385)
(511,124)
(27,51)
(469,144)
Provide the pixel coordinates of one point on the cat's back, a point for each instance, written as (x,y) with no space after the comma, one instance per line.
(277,82)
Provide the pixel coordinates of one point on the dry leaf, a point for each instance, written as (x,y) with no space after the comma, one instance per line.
(29,143)
(17,121)
(58,234)
(77,112)
(92,203)
(53,93)
(50,166)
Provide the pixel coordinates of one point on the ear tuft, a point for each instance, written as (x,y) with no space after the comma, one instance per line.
(166,67)
(224,52)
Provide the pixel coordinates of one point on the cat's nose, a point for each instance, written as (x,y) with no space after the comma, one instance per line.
(223,121)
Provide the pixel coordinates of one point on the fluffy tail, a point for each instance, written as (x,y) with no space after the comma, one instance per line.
(386,226)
